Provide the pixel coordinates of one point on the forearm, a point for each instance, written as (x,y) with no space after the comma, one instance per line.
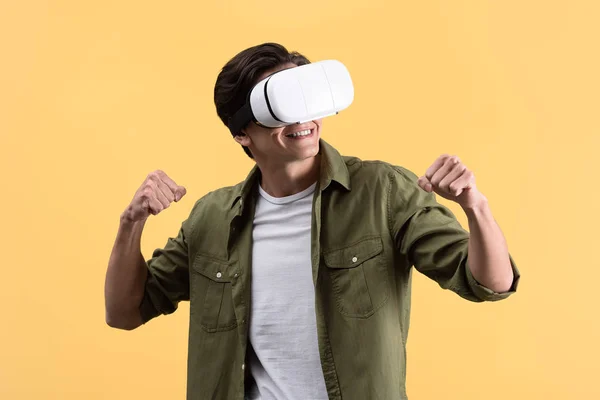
(488,252)
(125,277)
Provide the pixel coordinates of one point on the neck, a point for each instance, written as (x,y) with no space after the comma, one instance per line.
(290,178)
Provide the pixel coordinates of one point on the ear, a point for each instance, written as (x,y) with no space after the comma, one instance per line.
(243,138)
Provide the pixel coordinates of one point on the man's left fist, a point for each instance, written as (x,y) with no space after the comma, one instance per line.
(452,180)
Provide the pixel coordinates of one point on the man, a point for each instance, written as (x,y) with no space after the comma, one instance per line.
(299,278)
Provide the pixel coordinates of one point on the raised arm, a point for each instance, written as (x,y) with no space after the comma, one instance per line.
(127,271)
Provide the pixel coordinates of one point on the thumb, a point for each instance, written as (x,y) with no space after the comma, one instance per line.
(425,184)
(180,193)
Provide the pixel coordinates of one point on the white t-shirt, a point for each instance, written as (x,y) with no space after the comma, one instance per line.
(285,361)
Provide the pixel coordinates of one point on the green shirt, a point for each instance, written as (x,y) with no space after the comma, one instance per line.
(371,223)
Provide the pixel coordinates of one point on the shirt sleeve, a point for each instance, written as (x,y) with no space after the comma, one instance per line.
(167,282)
(432,239)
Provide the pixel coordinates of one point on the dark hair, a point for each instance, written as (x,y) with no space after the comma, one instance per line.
(241,73)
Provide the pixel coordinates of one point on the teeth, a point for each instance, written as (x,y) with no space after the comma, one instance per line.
(301,133)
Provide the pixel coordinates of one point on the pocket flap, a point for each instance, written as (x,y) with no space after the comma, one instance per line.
(213,269)
(355,254)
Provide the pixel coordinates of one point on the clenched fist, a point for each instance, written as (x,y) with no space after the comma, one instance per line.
(451,179)
(156,193)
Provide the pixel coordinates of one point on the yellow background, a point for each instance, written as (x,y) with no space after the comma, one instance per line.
(95,95)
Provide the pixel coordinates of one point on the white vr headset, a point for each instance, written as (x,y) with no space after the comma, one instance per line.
(296,95)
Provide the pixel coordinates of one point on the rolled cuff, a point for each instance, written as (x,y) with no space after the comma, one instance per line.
(147,309)
(486,294)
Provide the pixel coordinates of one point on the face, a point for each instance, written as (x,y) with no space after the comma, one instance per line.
(287,144)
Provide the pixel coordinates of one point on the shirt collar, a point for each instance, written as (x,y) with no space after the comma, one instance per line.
(333,168)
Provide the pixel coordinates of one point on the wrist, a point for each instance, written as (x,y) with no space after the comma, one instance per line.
(476,203)
(477,208)
(126,219)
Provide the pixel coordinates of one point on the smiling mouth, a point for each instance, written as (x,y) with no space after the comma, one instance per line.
(300,134)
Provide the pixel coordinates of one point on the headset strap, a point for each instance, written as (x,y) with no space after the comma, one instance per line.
(240,119)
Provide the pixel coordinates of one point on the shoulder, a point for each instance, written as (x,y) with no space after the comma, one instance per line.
(215,204)
(377,169)
(398,184)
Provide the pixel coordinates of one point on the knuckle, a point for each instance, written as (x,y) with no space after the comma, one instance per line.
(147,192)
(154,174)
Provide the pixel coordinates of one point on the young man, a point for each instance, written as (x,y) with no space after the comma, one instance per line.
(299,278)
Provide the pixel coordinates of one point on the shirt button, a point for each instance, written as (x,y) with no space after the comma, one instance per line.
(243,366)
(354,259)
(235,276)
(219,274)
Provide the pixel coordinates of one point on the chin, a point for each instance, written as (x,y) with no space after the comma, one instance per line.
(310,151)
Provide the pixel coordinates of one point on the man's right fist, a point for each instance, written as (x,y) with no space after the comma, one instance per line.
(156,193)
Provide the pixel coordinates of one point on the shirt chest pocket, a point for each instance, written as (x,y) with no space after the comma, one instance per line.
(358,277)
(211,298)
